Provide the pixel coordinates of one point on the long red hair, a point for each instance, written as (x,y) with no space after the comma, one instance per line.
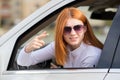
(60,44)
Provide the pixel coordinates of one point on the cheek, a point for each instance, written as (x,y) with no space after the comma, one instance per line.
(81,35)
(65,37)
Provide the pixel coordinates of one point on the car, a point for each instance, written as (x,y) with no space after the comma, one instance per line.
(11,43)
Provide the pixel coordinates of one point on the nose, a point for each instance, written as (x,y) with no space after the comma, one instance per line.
(73,32)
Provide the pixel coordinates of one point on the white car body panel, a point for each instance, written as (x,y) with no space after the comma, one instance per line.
(85,74)
(113,74)
(7,43)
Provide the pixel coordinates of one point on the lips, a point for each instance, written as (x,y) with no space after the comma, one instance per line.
(73,38)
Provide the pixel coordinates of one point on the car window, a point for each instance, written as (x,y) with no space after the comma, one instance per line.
(48,39)
(100,28)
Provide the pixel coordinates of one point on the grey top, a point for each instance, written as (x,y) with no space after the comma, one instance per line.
(83,56)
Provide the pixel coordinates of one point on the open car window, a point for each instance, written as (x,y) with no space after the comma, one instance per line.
(48,39)
(100,28)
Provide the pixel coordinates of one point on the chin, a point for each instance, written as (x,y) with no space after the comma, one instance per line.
(74,44)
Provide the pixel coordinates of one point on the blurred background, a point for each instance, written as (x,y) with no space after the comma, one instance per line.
(13,11)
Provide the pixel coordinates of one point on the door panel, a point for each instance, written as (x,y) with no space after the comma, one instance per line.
(114,73)
(70,74)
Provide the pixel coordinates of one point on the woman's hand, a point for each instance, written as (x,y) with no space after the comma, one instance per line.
(36,43)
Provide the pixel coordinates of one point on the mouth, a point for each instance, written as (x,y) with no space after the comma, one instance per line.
(73,38)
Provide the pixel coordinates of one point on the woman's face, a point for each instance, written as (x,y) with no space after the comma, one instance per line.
(74,32)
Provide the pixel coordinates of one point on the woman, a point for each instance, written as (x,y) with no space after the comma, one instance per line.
(75,44)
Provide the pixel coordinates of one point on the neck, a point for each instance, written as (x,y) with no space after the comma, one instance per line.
(73,47)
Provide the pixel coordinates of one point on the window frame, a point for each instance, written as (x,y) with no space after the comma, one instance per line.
(39,26)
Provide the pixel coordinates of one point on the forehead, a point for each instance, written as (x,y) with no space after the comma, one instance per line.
(72,22)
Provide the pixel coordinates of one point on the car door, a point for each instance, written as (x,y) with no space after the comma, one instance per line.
(114,72)
(24,31)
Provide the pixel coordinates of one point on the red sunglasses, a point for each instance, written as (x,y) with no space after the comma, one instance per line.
(77,28)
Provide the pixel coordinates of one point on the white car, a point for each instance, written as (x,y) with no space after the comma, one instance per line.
(43,19)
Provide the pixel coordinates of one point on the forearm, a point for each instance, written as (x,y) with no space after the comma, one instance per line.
(24,59)
(27,59)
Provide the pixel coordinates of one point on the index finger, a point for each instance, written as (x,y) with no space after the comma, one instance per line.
(43,35)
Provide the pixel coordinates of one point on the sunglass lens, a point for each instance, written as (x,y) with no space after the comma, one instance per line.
(77,27)
(67,29)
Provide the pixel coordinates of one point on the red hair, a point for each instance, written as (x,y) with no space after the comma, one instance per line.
(60,44)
